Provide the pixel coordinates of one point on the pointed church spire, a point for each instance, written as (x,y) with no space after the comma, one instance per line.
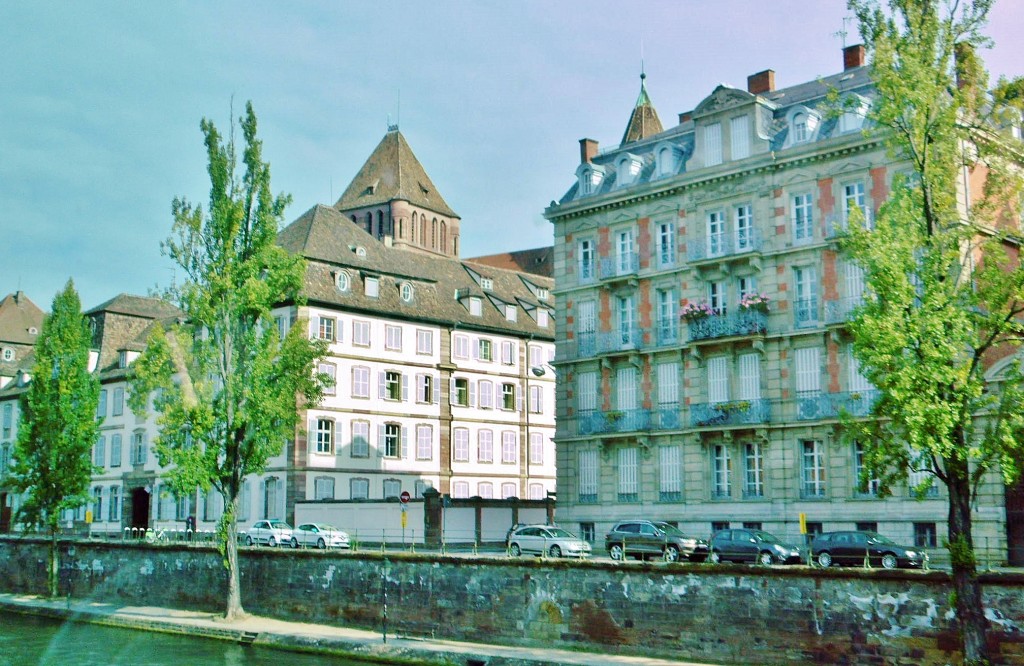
(644,121)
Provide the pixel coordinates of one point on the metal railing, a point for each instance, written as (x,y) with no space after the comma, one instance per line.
(841,310)
(832,405)
(724,245)
(619,266)
(746,322)
(805,313)
(629,420)
(737,412)
(623,339)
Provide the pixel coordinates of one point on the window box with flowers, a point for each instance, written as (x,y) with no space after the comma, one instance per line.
(695,312)
(754,303)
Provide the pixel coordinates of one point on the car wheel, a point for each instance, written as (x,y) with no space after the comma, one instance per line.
(321,544)
(514,550)
(555,551)
(889,561)
(272,542)
(824,559)
(765,558)
(248,541)
(715,558)
(671,554)
(615,552)
(295,542)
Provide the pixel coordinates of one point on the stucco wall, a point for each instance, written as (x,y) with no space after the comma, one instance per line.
(702,612)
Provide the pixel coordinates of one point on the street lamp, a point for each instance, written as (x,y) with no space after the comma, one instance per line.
(385,571)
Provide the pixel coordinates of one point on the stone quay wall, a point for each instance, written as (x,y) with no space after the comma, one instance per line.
(720,613)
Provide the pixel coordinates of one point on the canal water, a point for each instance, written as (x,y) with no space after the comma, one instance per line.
(35,641)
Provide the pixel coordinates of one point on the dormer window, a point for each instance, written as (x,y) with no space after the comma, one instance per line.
(475,306)
(510,312)
(739,135)
(590,177)
(372,286)
(343,281)
(803,123)
(486,284)
(627,169)
(125,358)
(406,292)
(542,293)
(712,136)
(854,112)
(8,354)
(667,158)
(32,330)
(360,251)
(542,317)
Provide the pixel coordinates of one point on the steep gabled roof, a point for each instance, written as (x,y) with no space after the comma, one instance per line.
(538,261)
(644,121)
(19,316)
(393,172)
(138,306)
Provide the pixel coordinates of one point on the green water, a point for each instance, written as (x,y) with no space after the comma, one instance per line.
(35,641)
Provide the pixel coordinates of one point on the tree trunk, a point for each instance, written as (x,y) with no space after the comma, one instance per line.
(234,609)
(52,576)
(970,611)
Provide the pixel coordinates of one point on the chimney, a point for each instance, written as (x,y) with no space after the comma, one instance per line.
(761,82)
(854,56)
(966,65)
(685,117)
(588,150)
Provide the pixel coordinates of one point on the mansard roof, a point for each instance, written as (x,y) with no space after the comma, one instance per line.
(538,261)
(19,316)
(390,173)
(643,121)
(332,243)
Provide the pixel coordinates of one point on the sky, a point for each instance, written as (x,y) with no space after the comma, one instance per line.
(100,106)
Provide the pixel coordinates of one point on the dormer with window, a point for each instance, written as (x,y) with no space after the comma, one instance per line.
(627,169)
(372,286)
(343,281)
(486,284)
(406,292)
(476,306)
(541,293)
(855,109)
(668,159)
(126,357)
(803,125)
(590,177)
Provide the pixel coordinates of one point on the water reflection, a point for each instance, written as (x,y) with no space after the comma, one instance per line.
(35,641)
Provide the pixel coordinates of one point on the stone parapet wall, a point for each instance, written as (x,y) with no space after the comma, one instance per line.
(726,614)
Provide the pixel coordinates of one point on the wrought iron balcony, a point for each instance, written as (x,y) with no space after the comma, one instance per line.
(620,266)
(583,345)
(805,313)
(667,333)
(837,312)
(625,339)
(598,422)
(724,245)
(737,412)
(831,405)
(747,322)
(668,417)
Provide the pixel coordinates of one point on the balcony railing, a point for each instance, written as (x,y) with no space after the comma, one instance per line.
(626,339)
(737,412)
(724,245)
(667,333)
(668,418)
(837,225)
(620,266)
(831,405)
(748,322)
(629,420)
(805,313)
(811,490)
(837,312)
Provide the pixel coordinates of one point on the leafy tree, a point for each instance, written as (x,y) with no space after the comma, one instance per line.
(52,462)
(945,289)
(226,385)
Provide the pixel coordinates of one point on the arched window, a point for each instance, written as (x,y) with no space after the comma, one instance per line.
(433,233)
(455,246)
(423,230)
(444,236)
(380,224)
(369,223)
(354,220)
(401,230)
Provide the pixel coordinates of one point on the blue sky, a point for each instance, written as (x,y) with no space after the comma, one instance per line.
(100,106)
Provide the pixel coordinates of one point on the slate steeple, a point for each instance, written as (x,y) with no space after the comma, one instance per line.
(644,121)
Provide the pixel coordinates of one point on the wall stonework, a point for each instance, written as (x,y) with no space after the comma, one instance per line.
(722,613)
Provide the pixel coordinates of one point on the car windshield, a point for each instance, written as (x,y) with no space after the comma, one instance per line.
(767,537)
(559,533)
(669,529)
(280,523)
(875,537)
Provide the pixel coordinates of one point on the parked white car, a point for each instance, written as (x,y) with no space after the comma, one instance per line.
(270,532)
(546,540)
(319,535)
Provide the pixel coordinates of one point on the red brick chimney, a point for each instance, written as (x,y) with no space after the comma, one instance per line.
(854,56)
(588,150)
(761,82)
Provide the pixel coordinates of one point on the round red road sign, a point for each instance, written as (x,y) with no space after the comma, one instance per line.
(405,497)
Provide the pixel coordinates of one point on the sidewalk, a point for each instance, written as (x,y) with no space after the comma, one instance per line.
(267,632)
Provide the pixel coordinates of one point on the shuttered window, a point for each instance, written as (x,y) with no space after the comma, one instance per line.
(588,475)
(718,379)
(670,472)
(626,388)
(750,377)
(808,370)
(586,387)
(668,383)
(628,484)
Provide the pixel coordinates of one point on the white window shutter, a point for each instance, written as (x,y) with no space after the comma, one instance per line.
(405,387)
(472,394)
(380,385)
(475,349)
(314,326)
(437,390)
(311,436)
(452,393)
(404,453)
(519,398)
(381,439)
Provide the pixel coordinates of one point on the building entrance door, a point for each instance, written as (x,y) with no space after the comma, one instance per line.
(5,514)
(140,508)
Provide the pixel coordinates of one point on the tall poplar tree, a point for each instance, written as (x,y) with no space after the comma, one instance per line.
(226,385)
(52,462)
(944,284)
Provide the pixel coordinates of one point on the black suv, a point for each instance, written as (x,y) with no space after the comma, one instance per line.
(647,538)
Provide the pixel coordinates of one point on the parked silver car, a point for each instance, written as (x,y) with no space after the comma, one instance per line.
(320,535)
(270,532)
(546,540)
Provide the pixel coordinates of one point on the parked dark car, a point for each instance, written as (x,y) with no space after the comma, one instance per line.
(747,545)
(649,538)
(852,547)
